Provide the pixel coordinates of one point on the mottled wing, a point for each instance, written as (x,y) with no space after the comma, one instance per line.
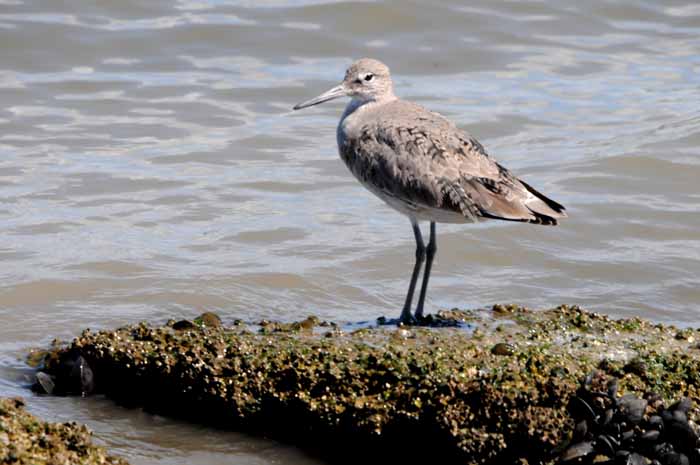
(427,161)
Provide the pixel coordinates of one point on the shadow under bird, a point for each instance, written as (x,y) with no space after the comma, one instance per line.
(423,166)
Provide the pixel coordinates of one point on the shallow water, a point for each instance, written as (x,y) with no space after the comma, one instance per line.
(151,168)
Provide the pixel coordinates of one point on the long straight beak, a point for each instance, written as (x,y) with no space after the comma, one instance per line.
(336,92)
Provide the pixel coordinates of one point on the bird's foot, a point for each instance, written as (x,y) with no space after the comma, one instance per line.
(406,319)
(418,319)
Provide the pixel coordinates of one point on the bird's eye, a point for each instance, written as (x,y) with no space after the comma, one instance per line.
(369,77)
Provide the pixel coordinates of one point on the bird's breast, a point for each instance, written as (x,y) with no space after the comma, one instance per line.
(349,134)
(349,126)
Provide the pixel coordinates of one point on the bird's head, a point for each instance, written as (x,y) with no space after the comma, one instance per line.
(365,80)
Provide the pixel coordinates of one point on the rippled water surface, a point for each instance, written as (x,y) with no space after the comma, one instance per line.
(150,167)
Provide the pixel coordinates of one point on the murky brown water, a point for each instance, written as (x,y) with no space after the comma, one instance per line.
(150,167)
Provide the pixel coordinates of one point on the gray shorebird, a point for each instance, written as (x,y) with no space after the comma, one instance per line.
(423,166)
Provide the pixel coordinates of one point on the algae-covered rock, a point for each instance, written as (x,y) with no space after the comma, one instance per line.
(26,440)
(494,390)
(209,319)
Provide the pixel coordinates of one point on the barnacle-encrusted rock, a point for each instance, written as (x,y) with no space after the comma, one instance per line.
(26,440)
(494,390)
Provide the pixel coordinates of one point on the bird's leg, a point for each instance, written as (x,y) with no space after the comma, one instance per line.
(432,248)
(420,257)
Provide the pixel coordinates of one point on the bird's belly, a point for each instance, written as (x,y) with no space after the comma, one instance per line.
(415,211)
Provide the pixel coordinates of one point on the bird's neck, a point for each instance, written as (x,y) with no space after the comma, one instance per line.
(357,105)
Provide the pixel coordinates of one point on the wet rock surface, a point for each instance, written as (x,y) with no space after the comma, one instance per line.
(494,386)
(26,440)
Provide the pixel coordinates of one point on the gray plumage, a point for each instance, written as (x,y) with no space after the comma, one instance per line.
(422,165)
(410,156)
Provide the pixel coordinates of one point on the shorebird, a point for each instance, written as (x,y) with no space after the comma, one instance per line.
(424,166)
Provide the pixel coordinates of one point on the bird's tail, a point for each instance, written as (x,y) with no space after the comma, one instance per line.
(544,210)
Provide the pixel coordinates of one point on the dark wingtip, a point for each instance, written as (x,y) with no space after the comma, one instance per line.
(557,207)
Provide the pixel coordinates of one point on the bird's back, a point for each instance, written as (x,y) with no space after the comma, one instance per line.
(424,166)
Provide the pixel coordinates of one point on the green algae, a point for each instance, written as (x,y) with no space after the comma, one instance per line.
(492,391)
(26,440)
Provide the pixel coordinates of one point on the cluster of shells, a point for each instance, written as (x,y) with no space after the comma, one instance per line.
(628,430)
